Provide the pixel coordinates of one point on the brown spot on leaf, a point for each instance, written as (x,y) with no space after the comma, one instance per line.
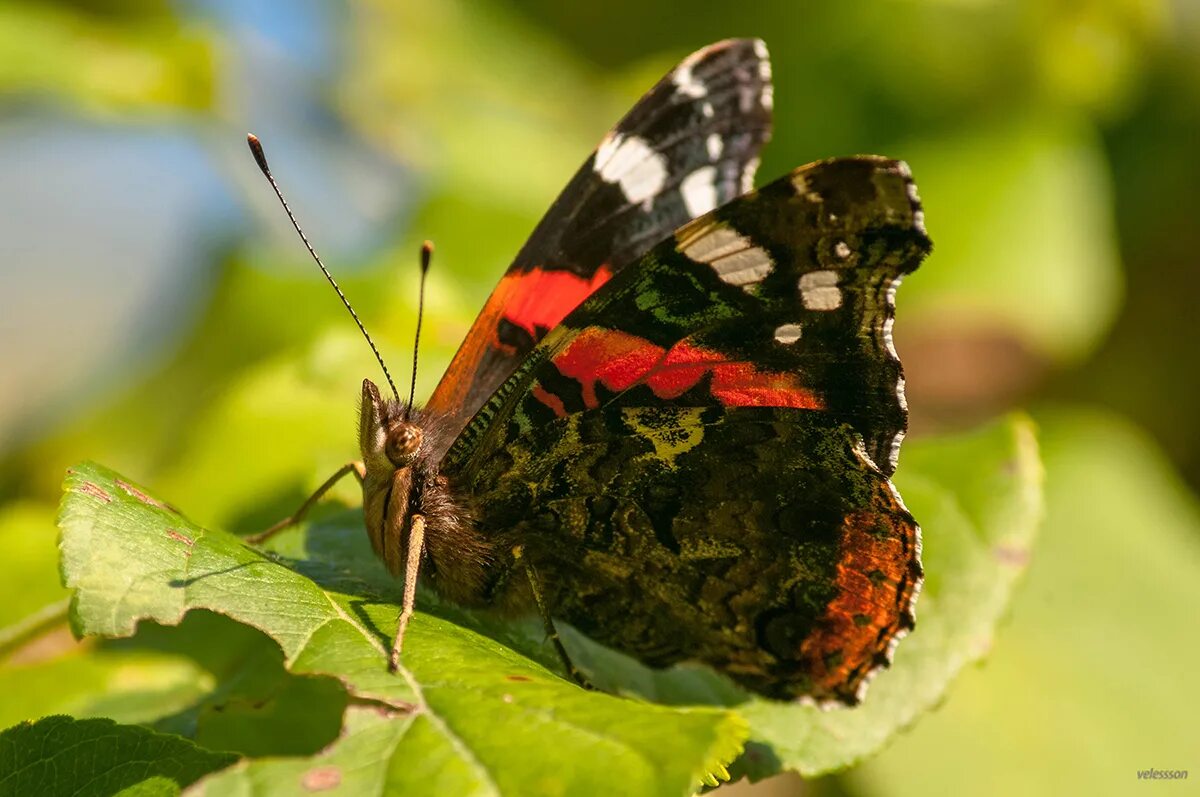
(394,708)
(139,495)
(517,678)
(175,535)
(322,778)
(96,491)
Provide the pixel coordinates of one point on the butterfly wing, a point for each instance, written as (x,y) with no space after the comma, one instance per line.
(700,452)
(690,144)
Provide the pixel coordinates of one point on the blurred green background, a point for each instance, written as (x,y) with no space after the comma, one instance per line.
(158,315)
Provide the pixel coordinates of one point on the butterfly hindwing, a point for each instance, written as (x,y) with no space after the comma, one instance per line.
(753,539)
(711,433)
(689,145)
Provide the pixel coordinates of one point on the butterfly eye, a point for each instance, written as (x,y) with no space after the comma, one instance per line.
(402,443)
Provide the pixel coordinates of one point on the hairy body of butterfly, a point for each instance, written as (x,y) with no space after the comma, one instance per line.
(674,422)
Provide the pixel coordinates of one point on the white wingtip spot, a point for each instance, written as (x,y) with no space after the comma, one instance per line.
(760,49)
(819,290)
(688,84)
(699,190)
(715,146)
(787,334)
(633,164)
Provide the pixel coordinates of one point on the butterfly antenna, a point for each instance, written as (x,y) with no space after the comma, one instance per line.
(426,256)
(260,157)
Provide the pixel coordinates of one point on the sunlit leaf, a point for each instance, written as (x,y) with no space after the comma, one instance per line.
(483,708)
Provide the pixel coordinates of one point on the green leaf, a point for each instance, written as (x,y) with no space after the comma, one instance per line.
(1094,678)
(65,756)
(476,707)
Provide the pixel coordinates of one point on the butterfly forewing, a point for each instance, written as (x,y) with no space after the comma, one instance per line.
(689,145)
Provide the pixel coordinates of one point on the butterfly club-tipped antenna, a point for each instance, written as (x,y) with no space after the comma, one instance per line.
(260,158)
(426,256)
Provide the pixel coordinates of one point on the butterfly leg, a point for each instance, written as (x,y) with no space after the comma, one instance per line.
(416,546)
(535,585)
(356,468)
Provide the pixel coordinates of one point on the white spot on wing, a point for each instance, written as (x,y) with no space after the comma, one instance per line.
(819,290)
(894,452)
(787,334)
(800,183)
(715,145)
(911,189)
(699,190)
(735,259)
(748,175)
(768,91)
(760,49)
(842,250)
(688,84)
(887,337)
(707,110)
(633,164)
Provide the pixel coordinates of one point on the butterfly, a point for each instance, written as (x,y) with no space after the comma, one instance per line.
(674,421)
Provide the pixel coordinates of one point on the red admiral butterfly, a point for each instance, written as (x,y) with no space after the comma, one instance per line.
(673,423)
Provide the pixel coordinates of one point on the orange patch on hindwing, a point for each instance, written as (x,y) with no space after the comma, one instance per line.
(877,577)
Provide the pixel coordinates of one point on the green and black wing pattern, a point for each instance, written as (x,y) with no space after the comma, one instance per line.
(700,452)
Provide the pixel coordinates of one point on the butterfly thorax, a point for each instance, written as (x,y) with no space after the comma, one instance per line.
(400,480)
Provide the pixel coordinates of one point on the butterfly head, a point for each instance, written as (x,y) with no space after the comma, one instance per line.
(388,438)
(390,444)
